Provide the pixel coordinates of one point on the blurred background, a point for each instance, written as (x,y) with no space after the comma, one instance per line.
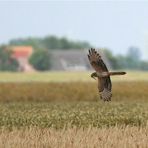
(56,35)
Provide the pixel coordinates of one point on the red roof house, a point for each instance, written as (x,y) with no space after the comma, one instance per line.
(22,55)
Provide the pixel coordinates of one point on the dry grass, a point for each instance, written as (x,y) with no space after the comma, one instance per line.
(70,91)
(113,137)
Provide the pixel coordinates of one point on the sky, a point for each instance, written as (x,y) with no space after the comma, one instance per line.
(116,25)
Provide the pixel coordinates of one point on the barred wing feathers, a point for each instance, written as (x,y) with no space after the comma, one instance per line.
(104,83)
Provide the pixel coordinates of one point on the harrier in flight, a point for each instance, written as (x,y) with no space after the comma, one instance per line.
(103,75)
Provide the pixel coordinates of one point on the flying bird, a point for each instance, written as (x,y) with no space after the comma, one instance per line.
(102,74)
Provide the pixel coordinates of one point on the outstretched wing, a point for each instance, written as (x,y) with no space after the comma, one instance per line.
(104,83)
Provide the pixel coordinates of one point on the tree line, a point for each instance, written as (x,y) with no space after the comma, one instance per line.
(51,43)
(40,58)
(131,60)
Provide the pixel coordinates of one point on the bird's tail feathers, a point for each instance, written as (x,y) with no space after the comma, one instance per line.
(117,73)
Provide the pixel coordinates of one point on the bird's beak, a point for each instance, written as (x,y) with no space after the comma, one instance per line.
(92,76)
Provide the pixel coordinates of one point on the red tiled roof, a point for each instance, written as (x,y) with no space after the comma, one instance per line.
(22,51)
(18,54)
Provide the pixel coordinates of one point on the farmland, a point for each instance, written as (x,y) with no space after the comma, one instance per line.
(114,137)
(65,76)
(64,110)
(72,114)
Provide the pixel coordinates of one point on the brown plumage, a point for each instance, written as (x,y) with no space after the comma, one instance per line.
(103,75)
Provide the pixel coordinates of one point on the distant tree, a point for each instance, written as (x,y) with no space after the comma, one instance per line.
(133,58)
(121,62)
(79,45)
(65,44)
(7,63)
(134,53)
(40,60)
(111,58)
(50,42)
(144,65)
(36,43)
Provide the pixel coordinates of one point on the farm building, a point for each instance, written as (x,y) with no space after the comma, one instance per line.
(22,54)
(72,60)
(61,60)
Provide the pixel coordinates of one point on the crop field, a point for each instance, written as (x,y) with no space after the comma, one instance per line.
(66,76)
(72,114)
(114,137)
(62,110)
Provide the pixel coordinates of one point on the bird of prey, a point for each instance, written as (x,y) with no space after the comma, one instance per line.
(103,75)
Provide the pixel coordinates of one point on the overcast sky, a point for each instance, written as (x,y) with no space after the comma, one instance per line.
(116,25)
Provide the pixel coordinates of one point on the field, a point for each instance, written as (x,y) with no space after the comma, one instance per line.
(62,110)
(65,76)
(114,137)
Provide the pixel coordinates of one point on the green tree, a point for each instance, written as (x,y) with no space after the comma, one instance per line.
(111,58)
(50,42)
(36,43)
(133,58)
(144,65)
(7,63)
(40,60)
